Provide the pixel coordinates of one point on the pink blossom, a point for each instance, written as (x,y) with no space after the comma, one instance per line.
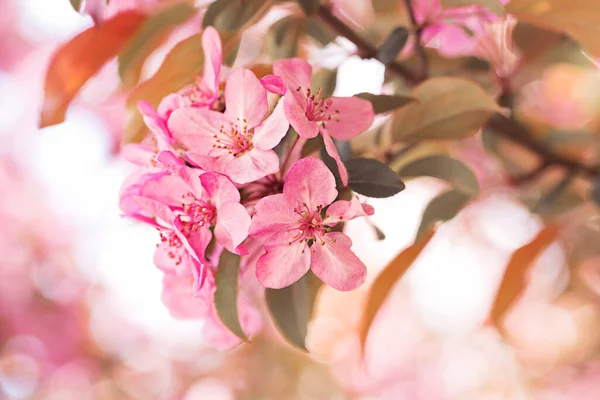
(183,303)
(291,223)
(236,143)
(455,31)
(339,117)
(183,207)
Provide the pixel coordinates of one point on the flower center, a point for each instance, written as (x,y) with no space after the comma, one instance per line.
(236,138)
(175,245)
(197,214)
(317,108)
(310,228)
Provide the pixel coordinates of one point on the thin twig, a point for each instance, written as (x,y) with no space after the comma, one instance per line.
(365,48)
(504,127)
(419,48)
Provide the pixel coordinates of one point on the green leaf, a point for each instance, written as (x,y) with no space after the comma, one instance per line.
(579,19)
(179,68)
(445,168)
(372,178)
(446,108)
(383,103)
(325,79)
(392,45)
(76,4)
(151,34)
(234,15)
(442,208)
(319,31)
(291,308)
(494,6)
(309,6)
(284,36)
(312,145)
(226,293)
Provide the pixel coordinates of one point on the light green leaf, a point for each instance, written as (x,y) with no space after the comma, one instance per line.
(494,6)
(446,108)
(291,308)
(283,37)
(445,168)
(233,15)
(441,208)
(383,103)
(226,293)
(151,34)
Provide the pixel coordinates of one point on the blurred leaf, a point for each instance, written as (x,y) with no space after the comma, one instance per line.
(319,31)
(372,178)
(233,15)
(331,164)
(151,34)
(325,79)
(226,293)
(445,168)
(442,208)
(76,4)
(179,68)
(309,6)
(392,45)
(284,36)
(595,192)
(493,5)
(291,308)
(579,19)
(446,108)
(385,282)
(513,281)
(81,58)
(383,103)
(312,145)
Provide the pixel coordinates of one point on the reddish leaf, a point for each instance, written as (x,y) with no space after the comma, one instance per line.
(514,280)
(78,60)
(386,280)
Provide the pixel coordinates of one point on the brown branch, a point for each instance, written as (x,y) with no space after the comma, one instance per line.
(419,48)
(509,129)
(365,48)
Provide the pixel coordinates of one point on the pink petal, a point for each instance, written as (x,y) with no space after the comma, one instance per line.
(273,84)
(200,160)
(282,265)
(219,189)
(295,72)
(156,209)
(335,263)
(211,44)
(272,216)
(169,104)
(343,210)
(167,189)
(270,132)
(232,226)
(137,154)
(332,151)
(169,159)
(195,244)
(252,165)
(178,296)
(168,264)
(245,98)
(355,116)
(195,127)
(157,125)
(295,112)
(309,182)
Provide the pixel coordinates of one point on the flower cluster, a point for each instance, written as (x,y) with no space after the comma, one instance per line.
(210,181)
